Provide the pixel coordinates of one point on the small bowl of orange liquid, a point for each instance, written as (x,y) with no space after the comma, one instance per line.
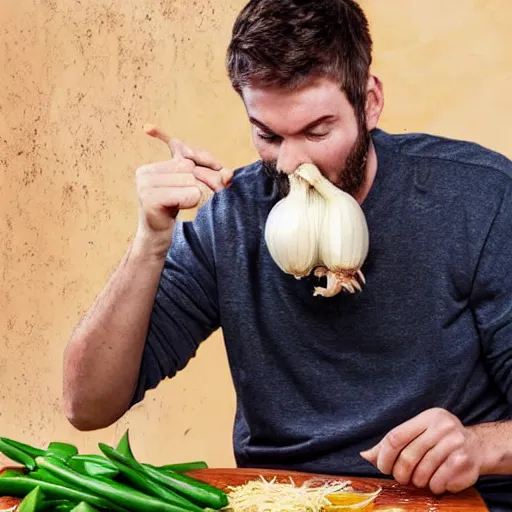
(358,495)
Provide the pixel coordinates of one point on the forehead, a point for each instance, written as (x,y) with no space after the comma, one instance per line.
(278,107)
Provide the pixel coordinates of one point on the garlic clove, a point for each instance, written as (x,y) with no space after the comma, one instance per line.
(344,237)
(291,230)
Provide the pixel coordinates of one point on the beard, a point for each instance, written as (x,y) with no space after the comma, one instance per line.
(350,177)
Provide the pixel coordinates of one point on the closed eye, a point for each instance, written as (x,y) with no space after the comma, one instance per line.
(269,137)
(317,136)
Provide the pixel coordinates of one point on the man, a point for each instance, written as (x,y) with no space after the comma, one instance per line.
(410,377)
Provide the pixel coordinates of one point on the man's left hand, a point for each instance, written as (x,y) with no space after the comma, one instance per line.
(432,449)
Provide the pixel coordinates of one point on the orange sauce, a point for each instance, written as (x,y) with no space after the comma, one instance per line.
(343,501)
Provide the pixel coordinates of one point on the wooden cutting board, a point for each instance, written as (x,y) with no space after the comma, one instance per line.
(393,498)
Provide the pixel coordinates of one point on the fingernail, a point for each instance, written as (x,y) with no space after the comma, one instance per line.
(149,128)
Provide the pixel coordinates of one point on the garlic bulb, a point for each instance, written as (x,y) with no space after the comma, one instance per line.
(292,229)
(318,226)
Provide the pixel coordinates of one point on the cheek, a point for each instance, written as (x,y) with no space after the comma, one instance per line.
(331,155)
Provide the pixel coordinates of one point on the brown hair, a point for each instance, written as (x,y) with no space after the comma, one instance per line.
(283,42)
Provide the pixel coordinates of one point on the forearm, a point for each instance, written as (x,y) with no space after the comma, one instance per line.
(103,356)
(494,441)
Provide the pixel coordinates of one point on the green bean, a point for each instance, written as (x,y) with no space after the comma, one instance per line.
(183,467)
(83,507)
(20,486)
(149,486)
(63,451)
(29,450)
(16,454)
(120,494)
(92,468)
(124,447)
(199,492)
(96,459)
(30,501)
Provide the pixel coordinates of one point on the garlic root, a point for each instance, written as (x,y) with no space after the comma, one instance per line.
(337,281)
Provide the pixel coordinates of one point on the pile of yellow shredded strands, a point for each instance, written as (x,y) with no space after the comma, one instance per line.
(271,496)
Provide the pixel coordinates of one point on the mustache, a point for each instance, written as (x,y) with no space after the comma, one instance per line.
(279,178)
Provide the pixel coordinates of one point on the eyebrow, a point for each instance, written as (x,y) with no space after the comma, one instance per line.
(310,125)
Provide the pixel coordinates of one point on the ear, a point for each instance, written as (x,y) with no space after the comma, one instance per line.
(374,102)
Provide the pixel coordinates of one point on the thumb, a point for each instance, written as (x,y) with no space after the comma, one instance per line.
(226,176)
(179,148)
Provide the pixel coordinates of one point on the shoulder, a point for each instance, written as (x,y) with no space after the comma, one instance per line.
(240,208)
(443,153)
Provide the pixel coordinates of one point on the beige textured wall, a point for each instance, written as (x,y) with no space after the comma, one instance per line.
(79,79)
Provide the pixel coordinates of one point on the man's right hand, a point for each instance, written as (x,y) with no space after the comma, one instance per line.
(164,188)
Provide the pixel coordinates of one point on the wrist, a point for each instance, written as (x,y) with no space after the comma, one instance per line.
(495,454)
(149,247)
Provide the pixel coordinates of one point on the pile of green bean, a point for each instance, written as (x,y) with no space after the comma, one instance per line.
(61,479)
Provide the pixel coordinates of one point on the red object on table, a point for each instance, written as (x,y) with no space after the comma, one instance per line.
(393,498)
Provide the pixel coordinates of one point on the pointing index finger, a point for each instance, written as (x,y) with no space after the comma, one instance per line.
(200,157)
(153,131)
(176,146)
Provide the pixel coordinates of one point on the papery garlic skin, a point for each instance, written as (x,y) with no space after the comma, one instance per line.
(292,229)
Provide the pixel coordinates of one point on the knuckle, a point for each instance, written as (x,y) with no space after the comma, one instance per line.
(446,425)
(141,171)
(184,165)
(404,467)
(394,438)
(141,186)
(458,440)
(144,195)
(407,460)
(383,466)
(459,460)
(464,458)
(440,414)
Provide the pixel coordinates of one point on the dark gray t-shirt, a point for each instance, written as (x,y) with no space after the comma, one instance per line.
(317,379)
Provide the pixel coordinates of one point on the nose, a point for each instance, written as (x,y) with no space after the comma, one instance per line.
(290,157)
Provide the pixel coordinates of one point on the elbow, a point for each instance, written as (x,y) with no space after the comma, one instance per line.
(79,420)
(85,418)
(83,424)
(88,423)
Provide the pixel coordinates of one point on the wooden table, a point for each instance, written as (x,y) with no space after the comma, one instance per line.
(393,498)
